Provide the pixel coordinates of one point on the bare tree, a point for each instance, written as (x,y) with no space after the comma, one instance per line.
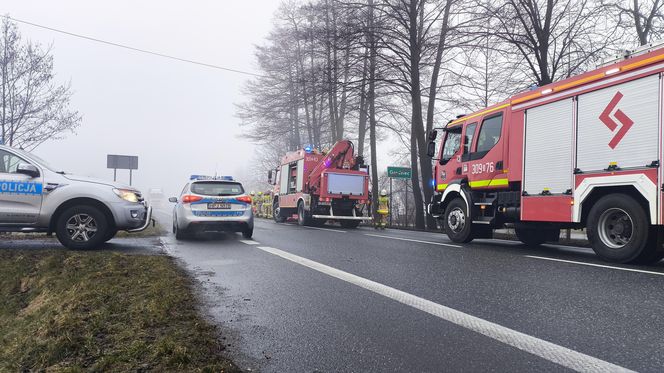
(33,109)
(415,47)
(643,17)
(485,74)
(552,38)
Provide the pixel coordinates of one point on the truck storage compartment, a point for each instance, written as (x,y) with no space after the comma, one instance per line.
(347,184)
(548,166)
(619,124)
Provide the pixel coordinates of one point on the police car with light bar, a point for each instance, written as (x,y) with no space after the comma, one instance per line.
(212,204)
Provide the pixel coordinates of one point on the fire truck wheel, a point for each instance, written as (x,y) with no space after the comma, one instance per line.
(618,229)
(457,225)
(656,243)
(303,216)
(352,224)
(318,222)
(531,237)
(276,213)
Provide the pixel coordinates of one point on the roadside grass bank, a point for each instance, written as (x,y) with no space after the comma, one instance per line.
(101,311)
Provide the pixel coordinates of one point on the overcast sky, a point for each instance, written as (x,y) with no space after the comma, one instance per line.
(177,117)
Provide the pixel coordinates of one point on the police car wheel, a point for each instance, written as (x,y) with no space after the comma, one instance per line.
(179,233)
(82,227)
(248,232)
(111,233)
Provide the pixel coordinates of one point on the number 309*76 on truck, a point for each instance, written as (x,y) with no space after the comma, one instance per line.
(585,152)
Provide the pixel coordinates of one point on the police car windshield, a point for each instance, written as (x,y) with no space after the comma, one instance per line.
(217,188)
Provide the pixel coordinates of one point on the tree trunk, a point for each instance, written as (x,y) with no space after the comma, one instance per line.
(344,94)
(433,90)
(362,126)
(415,181)
(329,70)
(417,122)
(371,102)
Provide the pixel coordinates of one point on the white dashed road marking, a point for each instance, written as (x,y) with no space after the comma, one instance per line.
(546,350)
(250,242)
(596,265)
(412,240)
(325,229)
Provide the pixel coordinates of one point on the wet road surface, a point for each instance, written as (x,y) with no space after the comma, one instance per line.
(332,299)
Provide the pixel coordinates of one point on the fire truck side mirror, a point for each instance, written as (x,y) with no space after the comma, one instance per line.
(431,149)
(269,177)
(433,135)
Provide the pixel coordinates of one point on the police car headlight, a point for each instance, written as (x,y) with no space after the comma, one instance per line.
(126,194)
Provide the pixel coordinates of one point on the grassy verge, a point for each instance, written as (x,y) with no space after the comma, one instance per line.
(151,231)
(99,311)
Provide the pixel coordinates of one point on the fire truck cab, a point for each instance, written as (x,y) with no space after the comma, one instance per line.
(584,152)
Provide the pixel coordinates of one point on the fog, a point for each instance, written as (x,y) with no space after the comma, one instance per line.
(178,118)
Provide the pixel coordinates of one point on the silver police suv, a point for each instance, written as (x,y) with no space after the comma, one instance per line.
(212,204)
(82,212)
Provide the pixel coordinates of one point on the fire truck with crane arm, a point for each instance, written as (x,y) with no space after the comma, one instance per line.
(585,152)
(318,187)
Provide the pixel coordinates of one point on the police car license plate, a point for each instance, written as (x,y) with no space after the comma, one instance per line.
(219,206)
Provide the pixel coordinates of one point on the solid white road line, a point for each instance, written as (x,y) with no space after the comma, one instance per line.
(514,242)
(596,265)
(546,350)
(325,229)
(412,240)
(250,242)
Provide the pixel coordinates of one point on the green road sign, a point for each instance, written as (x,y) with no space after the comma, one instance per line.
(399,172)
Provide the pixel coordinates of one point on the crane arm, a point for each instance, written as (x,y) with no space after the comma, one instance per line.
(342,153)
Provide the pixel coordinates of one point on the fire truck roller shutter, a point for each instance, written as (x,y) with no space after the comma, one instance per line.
(300,175)
(548,148)
(283,185)
(619,124)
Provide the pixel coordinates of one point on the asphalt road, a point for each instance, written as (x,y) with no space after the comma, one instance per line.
(323,300)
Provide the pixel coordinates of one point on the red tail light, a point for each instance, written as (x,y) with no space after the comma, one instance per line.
(189,198)
(245,199)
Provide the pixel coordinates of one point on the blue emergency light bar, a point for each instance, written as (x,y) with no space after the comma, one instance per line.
(204,177)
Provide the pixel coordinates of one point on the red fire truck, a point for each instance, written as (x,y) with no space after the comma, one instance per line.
(584,152)
(318,187)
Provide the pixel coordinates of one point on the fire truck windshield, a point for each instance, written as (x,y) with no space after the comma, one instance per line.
(452,144)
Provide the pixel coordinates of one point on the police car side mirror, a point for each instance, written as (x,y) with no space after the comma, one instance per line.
(173,199)
(27,169)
